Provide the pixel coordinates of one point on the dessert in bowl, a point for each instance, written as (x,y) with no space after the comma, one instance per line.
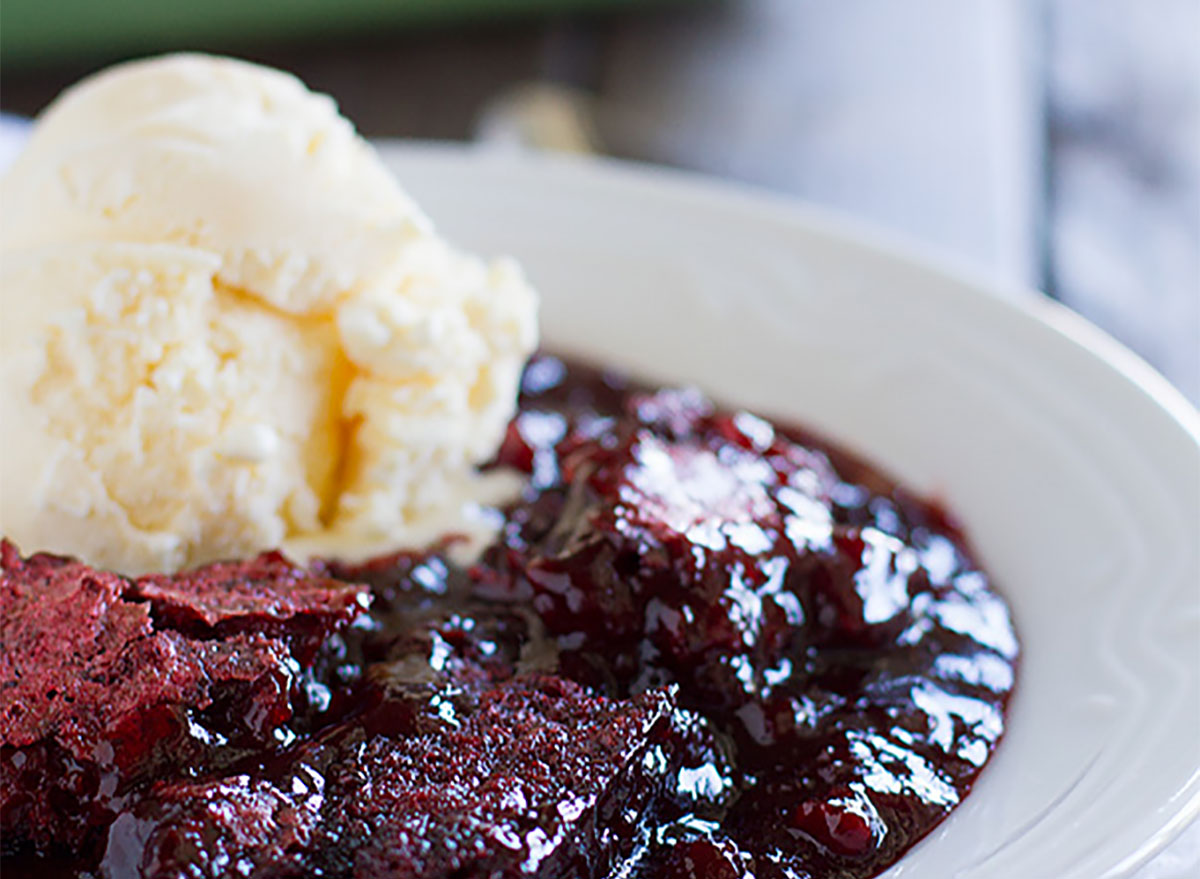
(692,642)
(701,645)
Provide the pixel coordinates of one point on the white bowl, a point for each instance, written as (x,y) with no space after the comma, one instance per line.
(1074,466)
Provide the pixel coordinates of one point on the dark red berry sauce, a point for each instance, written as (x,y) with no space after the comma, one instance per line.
(703,646)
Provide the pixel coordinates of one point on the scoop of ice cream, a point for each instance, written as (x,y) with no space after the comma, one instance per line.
(225,328)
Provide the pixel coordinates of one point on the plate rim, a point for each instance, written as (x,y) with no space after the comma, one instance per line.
(836,222)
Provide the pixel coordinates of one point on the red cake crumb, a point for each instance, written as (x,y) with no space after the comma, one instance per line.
(100,692)
(536,778)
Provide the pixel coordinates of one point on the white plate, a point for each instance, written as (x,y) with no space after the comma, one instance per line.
(1074,466)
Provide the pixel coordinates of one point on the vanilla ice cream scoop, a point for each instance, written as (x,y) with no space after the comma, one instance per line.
(225,328)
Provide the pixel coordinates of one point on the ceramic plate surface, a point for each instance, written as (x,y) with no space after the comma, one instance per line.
(1075,468)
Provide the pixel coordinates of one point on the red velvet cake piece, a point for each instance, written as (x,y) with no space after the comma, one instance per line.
(675,540)
(538,779)
(268,595)
(97,694)
(199,829)
(543,779)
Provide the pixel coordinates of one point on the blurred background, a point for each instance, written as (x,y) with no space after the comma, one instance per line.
(1054,144)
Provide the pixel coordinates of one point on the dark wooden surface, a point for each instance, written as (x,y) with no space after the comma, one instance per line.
(1051,143)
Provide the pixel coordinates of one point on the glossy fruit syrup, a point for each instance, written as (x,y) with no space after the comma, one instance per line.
(702,646)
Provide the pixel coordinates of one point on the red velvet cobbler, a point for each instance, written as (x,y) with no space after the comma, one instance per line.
(702,646)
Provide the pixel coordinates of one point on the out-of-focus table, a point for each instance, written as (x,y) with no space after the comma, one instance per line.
(1052,143)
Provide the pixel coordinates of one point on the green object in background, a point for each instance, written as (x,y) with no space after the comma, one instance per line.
(38,31)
